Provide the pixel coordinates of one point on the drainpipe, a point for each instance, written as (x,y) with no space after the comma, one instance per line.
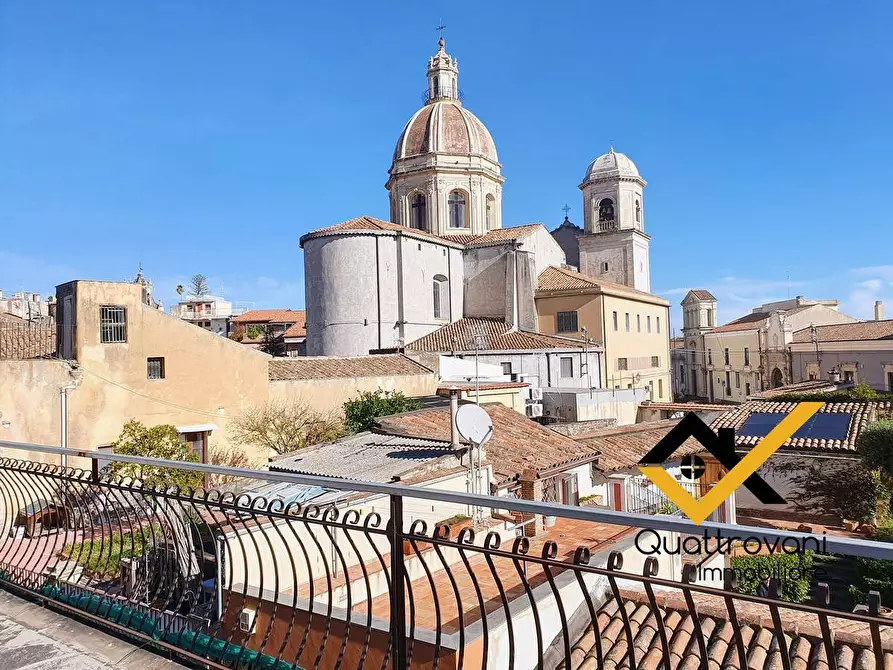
(63,426)
(378,290)
(454,409)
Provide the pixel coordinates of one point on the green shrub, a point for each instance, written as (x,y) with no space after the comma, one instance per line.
(793,573)
(103,556)
(862,392)
(875,445)
(874,574)
(361,412)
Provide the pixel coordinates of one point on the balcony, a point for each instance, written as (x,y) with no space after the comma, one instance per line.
(606,226)
(282,571)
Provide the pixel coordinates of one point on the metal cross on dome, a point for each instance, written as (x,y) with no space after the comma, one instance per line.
(440,28)
(566,209)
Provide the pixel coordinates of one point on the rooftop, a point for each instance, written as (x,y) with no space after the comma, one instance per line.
(330,367)
(496,333)
(809,386)
(702,294)
(370,223)
(368,457)
(846,332)
(555,279)
(518,444)
(829,434)
(803,636)
(622,447)
(271,316)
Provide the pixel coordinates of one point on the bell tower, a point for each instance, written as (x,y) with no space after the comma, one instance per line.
(615,247)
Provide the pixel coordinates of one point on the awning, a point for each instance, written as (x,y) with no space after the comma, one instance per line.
(197,428)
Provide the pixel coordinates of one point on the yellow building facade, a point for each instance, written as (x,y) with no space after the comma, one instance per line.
(632,325)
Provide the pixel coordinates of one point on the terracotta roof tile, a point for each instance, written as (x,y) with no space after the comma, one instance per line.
(753,321)
(809,386)
(862,414)
(496,333)
(20,339)
(271,316)
(518,444)
(329,367)
(701,294)
(801,631)
(621,448)
(445,388)
(367,223)
(843,332)
(561,279)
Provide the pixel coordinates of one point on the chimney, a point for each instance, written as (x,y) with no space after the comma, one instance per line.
(878,310)
(454,409)
(835,375)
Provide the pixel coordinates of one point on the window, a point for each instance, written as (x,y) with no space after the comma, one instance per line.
(456,203)
(155,368)
(615,320)
(605,266)
(710,357)
(651,389)
(657,318)
(489,212)
(606,210)
(567,322)
(890,381)
(655,361)
(436,87)
(660,388)
(648,323)
(622,364)
(506,368)
(112,324)
(727,356)
(419,219)
(566,366)
(747,388)
(441,297)
(710,318)
(728,383)
(638,211)
(737,380)
(849,376)
(812,376)
(746,356)
(627,322)
(195,443)
(682,373)
(639,323)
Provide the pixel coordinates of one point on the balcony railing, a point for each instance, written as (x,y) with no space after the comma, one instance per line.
(284,571)
(606,226)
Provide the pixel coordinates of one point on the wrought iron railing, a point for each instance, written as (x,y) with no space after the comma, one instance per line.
(646,498)
(284,571)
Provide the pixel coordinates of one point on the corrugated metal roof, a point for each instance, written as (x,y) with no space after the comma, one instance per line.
(368,457)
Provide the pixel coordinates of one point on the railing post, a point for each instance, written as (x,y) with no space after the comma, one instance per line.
(398,592)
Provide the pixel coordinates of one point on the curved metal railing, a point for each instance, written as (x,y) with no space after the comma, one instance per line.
(279,570)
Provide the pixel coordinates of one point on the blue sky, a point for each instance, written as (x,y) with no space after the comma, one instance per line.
(208,136)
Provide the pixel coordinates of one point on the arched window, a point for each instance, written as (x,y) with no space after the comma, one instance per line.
(606,210)
(441,297)
(419,219)
(638,212)
(490,206)
(456,203)
(436,87)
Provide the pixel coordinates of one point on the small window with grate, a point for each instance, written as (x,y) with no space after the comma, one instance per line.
(655,361)
(622,364)
(155,368)
(567,322)
(112,324)
(506,368)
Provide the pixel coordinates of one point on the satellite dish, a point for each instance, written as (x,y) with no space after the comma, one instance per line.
(474,423)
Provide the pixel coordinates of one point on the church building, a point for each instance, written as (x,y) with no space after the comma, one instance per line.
(445,255)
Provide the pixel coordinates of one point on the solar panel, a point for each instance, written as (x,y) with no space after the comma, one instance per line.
(820,426)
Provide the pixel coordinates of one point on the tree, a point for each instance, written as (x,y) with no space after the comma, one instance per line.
(848,491)
(198,286)
(156,442)
(284,427)
(362,411)
(875,445)
(272,344)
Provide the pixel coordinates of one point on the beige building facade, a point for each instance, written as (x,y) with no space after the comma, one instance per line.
(632,325)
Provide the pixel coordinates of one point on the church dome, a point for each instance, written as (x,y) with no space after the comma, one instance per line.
(611,164)
(444,126)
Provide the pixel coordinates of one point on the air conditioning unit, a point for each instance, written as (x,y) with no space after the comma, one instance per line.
(536,394)
(247,620)
(534,411)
